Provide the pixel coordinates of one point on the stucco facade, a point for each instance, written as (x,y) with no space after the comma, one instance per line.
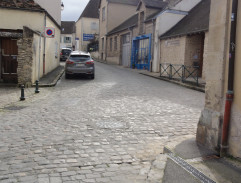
(35,22)
(86,26)
(115,14)
(52,7)
(210,125)
(186,50)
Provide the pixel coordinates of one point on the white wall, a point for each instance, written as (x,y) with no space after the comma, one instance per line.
(53,7)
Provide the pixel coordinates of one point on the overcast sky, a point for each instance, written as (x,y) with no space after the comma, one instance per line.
(73,9)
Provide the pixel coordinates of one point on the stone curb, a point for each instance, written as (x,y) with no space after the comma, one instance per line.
(54,82)
(200,89)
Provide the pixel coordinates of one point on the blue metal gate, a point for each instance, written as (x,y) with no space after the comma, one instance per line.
(141,52)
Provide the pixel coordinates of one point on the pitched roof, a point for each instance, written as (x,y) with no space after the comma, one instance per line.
(196,21)
(21,4)
(128,2)
(67,27)
(157,4)
(91,10)
(131,22)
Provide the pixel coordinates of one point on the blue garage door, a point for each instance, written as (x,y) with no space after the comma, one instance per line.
(141,52)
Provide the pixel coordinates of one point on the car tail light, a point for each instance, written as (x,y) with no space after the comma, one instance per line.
(61,53)
(90,62)
(69,62)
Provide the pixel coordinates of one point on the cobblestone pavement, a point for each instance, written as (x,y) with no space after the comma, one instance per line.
(111,129)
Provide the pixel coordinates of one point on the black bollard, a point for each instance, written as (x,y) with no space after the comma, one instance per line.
(22,93)
(37,87)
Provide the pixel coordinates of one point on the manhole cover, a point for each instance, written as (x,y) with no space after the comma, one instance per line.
(15,108)
(110,125)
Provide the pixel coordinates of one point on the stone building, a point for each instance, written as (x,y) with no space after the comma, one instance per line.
(112,14)
(136,42)
(135,34)
(211,130)
(25,54)
(186,44)
(87,26)
(68,34)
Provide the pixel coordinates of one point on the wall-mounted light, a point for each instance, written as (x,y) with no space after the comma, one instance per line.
(62,6)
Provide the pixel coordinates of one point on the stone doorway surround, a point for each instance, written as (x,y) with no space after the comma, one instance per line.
(25,52)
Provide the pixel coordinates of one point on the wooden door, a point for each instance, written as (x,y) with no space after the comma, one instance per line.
(9,52)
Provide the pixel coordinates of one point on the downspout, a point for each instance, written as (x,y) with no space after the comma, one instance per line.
(230,92)
(45,17)
(153,42)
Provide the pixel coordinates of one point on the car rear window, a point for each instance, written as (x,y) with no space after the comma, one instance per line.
(64,52)
(80,57)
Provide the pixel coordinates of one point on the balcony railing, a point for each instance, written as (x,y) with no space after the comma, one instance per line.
(180,72)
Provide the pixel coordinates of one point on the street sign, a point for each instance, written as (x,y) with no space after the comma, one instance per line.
(49,32)
(88,37)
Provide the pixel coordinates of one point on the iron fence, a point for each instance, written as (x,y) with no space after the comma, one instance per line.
(180,72)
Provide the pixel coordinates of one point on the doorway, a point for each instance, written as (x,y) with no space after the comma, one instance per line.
(126,45)
(9,63)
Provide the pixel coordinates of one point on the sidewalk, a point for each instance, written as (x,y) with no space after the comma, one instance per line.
(189,84)
(188,162)
(10,94)
(51,78)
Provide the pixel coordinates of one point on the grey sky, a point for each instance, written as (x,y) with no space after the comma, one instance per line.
(73,9)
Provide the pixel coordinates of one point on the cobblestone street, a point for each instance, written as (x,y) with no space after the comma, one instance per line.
(110,129)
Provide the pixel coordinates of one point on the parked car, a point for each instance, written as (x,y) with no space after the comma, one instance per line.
(79,63)
(64,54)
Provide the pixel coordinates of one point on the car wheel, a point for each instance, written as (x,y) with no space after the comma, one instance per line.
(67,76)
(92,76)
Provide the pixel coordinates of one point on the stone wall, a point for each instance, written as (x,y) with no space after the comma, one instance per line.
(209,126)
(25,54)
(193,49)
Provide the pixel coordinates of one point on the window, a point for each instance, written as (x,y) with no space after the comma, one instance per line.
(67,39)
(126,38)
(115,44)
(93,26)
(79,57)
(110,44)
(103,14)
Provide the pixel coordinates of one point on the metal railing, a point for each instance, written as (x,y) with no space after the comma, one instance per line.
(180,72)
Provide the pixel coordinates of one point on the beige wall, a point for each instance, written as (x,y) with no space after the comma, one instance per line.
(83,25)
(52,48)
(235,127)
(35,21)
(16,19)
(193,49)
(173,50)
(115,56)
(53,7)
(37,66)
(209,126)
(115,15)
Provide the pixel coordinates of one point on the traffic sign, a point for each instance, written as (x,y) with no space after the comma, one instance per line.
(49,32)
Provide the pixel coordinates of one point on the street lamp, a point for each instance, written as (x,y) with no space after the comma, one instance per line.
(62,6)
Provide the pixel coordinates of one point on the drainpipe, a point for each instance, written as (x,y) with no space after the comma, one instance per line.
(153,43)
(45,16)
(230,92)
